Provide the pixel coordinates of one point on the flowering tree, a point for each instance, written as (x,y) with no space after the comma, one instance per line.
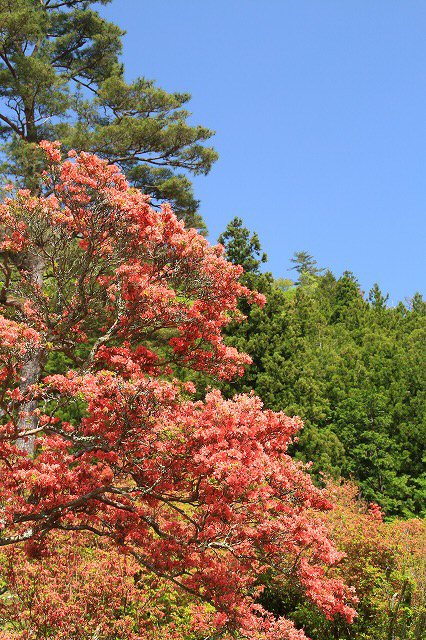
(203,494)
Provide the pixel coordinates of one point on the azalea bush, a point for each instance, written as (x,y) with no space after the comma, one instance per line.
(385,562)
(103,300)
(85,588)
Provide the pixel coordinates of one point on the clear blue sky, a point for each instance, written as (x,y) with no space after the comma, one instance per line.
(320,113)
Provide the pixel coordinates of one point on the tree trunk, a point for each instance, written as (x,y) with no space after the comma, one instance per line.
(30,373)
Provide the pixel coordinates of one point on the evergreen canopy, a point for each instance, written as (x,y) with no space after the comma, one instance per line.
(352,368)
(61,79)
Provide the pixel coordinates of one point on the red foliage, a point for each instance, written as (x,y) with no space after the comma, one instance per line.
(200,493)
(76,592)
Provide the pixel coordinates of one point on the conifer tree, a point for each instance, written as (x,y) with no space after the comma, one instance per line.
(352,369)
(305,265)
(241,247)
(376,297)
(61,79)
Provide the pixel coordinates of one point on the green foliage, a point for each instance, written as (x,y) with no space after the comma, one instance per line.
(242,248)
(305,265)
(352,368)
(61,79)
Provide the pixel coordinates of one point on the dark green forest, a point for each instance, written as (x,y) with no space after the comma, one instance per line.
(349,364)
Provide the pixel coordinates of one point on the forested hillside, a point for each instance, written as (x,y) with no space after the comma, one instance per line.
(349,364)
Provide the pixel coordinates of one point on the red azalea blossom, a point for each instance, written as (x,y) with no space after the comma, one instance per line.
(201,494)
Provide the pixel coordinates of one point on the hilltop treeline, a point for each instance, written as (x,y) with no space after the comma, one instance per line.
(348,363)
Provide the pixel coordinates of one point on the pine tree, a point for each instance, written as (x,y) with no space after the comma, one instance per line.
(305,265)
(61,79)
(241,247)
(376,297)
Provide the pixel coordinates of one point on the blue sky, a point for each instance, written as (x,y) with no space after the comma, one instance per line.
(320,112)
